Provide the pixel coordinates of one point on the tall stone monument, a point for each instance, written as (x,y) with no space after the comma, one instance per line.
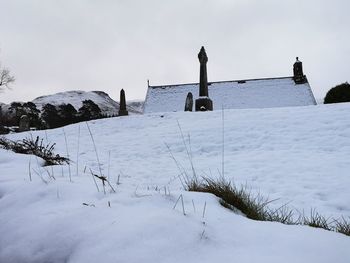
(203,103)
(299,77)
(122,104)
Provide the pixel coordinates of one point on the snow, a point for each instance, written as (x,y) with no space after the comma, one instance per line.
(136,105)
(296,155)
(258,93)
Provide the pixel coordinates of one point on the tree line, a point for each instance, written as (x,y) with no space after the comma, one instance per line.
(50,116)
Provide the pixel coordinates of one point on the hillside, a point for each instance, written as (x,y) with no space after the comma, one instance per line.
(107,105)
(296,156)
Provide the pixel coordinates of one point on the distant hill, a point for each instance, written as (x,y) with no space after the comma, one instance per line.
(136,105)
(4,108)
(107,105)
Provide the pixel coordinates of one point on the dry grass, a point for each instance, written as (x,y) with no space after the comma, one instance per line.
(256,206)
(35,147)
(342,226)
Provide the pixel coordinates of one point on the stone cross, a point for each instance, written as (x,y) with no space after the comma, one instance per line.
(24,123)
(122,104)
(203,103)
(189,102)
(203,78)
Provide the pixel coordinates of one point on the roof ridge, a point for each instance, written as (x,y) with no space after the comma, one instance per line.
(222,81)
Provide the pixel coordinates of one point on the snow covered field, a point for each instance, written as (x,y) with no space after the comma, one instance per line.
(298,156)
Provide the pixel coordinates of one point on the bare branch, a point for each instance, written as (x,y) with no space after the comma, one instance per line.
(5,78)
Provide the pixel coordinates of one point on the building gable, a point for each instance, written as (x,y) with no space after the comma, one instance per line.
(239,94)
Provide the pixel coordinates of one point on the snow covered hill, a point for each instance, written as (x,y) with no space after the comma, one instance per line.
(3,106)
(136,105)
(297,156)
(106,104)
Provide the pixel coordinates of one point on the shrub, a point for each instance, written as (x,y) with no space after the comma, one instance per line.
(340,93)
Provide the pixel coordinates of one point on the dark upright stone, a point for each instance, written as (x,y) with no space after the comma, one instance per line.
(299,77)
(24,124)
(203,103)
(189,102)
(203,77)
(122,104)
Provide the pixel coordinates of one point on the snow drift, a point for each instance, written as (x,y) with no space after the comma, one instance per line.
(297,156)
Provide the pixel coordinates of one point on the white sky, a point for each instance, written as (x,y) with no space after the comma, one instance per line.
(52,46)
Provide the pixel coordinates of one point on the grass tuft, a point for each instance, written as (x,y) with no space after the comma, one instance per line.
(256,207)
(316,220)
(342,226)
(35,147)
(232,197)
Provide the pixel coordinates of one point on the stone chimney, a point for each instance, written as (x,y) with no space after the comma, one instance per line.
(203,103)
(298,75)
(122,104)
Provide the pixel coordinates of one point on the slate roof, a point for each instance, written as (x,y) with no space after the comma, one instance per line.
(237,94)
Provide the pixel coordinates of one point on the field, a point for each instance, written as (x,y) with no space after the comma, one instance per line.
(297,157)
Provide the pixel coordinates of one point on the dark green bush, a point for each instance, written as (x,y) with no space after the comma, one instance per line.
(340,93)
(50,116)
(67,113)
(89,111)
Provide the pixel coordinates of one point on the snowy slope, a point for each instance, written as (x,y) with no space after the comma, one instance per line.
(3,106)
(296,155)
(106,104)
(136,105)
(256,93)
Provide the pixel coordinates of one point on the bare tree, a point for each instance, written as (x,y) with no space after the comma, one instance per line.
(6,79)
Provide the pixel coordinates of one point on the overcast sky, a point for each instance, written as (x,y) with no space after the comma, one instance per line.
(53,46)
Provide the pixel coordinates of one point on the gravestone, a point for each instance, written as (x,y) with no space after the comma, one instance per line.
(203,103)
(189,102)
(24,123)
(122,104)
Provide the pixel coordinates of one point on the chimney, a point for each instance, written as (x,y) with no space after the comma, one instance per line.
(298,74)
